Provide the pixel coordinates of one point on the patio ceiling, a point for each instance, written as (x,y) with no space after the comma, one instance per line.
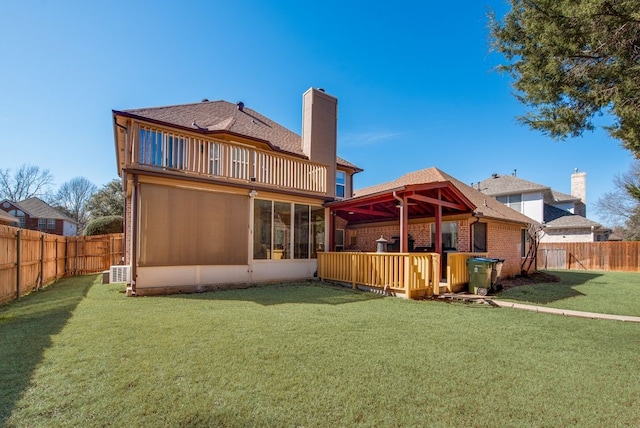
(422,200)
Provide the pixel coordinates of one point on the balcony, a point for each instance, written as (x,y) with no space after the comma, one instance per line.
(166,150)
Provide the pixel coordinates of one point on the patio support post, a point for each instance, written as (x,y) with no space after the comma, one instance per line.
(404,226)
(332,230)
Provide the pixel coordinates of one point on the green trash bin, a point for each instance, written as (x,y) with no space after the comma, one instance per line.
(480,271)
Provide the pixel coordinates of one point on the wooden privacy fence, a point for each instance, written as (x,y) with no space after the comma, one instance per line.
(611,256)
(30,259)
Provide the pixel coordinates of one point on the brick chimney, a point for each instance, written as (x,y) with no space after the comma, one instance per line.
(320,130)
(579,190)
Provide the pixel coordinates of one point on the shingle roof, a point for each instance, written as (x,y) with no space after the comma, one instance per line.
(484,203)
(37,208)
(555,197)
(212,116)
(497,185)
(558,218)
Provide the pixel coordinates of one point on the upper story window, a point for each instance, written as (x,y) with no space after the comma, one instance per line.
(341,184)
(512,201)
(21,217)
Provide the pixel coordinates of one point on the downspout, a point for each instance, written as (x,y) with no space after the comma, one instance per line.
(403,238)
(134,235)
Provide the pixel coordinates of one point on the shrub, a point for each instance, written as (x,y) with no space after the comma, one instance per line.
(105,225)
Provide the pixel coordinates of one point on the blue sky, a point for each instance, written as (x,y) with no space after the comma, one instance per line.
(414,80)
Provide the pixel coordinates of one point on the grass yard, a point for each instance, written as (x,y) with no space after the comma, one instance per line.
(603,292)
(82,354)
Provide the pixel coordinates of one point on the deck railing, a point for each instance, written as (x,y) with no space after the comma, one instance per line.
(414,274)
(159,148)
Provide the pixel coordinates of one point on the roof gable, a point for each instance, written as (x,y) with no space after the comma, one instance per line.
(37,208)
(484,204)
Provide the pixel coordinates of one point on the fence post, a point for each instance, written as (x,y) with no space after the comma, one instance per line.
(56,261)
(41,262)
(18,233)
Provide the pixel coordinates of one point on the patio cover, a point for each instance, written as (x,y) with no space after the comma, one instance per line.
(426,200)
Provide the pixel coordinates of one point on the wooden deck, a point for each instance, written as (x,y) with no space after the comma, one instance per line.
(410,275)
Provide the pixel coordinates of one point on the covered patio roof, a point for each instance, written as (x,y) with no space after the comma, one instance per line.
(435,199)
(421,200)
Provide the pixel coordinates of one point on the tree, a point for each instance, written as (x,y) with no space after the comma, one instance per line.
(573,60)
(621,207)
(108,201)
(73,197)
(104,225)
(28,181)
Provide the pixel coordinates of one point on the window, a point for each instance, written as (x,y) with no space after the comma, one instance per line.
(282,230)
(339,240)
(42,223)
(262,220)
(215,158)
(526,242)
(512,201)
(449,235)
(341,181)
(480,237)
(21,218)
(150,147)
(175,152)
(240,163)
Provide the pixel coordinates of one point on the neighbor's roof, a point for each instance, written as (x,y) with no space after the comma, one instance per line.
(487,205)
(560,219)
(498,185)
(223,116)
(37,208)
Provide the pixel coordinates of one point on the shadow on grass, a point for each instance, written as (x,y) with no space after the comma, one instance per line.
(26,328)
(311,292)
(548,292)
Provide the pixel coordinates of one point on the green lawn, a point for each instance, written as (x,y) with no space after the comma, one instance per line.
(82,354)
(603,292)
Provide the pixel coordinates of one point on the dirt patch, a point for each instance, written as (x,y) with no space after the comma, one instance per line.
(532,278)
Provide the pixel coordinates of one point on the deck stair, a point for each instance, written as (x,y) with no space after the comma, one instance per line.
(466,298)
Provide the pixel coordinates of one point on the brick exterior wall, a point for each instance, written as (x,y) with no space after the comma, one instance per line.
(504,241)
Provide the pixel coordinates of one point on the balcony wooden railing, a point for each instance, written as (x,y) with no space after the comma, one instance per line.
(159,148)
(414,274)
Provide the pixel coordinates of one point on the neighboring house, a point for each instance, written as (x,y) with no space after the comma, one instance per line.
(562,216)
(469,221)
(8,219)
(35,214)
(218,194)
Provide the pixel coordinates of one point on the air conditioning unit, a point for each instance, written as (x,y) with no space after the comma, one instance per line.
(120,273)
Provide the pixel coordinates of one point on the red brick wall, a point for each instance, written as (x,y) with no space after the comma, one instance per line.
(504,241)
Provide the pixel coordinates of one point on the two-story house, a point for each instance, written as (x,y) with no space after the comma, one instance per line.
(217,193)
(35,214)
(562,216)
